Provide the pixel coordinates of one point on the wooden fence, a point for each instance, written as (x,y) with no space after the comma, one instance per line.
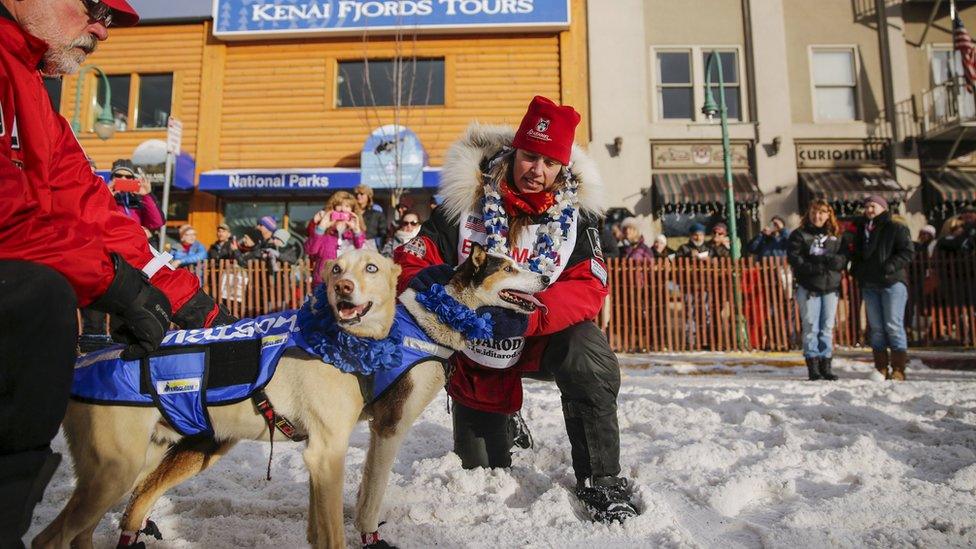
(688,305)
(683,304)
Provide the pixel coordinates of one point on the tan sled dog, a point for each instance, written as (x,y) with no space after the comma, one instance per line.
(110,457)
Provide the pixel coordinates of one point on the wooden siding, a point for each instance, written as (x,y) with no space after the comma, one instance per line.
(278,108)
(151,49)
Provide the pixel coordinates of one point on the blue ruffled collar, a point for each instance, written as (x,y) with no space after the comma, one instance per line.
(451,312)
(351,354)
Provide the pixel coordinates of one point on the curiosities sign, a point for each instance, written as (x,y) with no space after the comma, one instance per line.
(250,19)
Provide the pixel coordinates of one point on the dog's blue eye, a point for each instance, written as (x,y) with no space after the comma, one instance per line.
(336,269)
(370,268)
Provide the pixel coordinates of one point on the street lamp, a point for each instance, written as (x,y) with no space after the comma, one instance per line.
(710,109)
(105,124)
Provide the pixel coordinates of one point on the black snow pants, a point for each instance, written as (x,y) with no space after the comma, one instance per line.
(38,328)
(580,361)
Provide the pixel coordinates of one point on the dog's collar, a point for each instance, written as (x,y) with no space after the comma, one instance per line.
(454,314)
(351,354)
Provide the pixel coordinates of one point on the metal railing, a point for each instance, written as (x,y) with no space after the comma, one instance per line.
(946,105)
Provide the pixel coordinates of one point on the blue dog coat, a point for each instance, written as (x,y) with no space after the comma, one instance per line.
(194,369)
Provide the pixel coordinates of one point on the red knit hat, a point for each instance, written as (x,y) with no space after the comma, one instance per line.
(548,129)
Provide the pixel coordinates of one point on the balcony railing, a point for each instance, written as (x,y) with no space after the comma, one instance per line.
(946,107)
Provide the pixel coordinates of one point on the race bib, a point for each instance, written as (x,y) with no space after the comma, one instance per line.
(498,354)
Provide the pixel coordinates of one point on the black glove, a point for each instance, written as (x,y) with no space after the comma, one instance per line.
(427,277)
(194,313)
(507,323)
(140,312)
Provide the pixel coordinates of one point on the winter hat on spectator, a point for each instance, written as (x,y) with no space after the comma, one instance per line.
(877,199)
(722,226)
(282,235)
(928,229)
(662,239)
(269,223)
(223,226)
(254,234)
(696,228)
(548,129)
(123,166)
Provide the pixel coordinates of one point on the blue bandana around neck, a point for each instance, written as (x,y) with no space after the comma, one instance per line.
(451,312)
(348,353)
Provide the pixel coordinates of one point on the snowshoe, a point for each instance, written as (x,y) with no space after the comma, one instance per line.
(521,436)
(607,499)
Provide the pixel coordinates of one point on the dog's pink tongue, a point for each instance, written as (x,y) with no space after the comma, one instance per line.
(530,298)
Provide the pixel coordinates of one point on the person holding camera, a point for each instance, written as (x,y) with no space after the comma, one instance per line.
(133,196)
(226,246)
(773,241)
(333,231)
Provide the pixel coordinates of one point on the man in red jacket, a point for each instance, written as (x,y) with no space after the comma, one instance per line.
(63,245)
(531,195)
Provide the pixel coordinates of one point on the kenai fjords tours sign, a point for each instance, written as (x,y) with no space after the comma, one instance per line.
(254,19)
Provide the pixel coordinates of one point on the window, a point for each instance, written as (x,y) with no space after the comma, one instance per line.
(730,76)
(139,101)
(949,92)
(675,94)
(372,83)
(681,76)
(835,84)
(53,87)
(119,86)
(155,100)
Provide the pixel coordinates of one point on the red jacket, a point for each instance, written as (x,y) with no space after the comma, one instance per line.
(53,209)
(575,296)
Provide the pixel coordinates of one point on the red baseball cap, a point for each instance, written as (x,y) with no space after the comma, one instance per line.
(123,14)
(548,129)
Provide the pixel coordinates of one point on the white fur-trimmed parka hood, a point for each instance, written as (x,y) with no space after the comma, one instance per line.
(461,179)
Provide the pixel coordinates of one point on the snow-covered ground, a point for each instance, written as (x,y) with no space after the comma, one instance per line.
(749,457)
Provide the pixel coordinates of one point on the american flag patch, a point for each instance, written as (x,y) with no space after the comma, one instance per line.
(475,224)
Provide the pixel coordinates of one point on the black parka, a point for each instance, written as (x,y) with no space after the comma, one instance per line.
(881,260)
(817,273)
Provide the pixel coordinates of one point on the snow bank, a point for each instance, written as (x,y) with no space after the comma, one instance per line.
(753,458)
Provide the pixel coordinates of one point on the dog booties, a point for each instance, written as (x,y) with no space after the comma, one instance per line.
(194,369)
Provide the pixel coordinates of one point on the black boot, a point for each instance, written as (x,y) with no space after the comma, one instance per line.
(813,368)
(825,369)
(607,499)
(521,436)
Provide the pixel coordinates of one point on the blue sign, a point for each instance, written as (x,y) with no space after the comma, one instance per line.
(250,19)
(379,159)
(315,181)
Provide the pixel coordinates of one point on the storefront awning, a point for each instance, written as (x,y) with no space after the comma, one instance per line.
(311,181)
(846,190)
(700,192)
(948,190)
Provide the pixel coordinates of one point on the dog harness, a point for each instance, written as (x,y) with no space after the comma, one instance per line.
(194,369)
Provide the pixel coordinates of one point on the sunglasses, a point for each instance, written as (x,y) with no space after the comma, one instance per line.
(99,11)
(409,223)
(120,176)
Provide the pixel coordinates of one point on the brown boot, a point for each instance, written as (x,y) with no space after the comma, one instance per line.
(881,362)
(898,360)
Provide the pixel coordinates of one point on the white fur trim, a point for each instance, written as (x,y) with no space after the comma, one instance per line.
(461,174)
